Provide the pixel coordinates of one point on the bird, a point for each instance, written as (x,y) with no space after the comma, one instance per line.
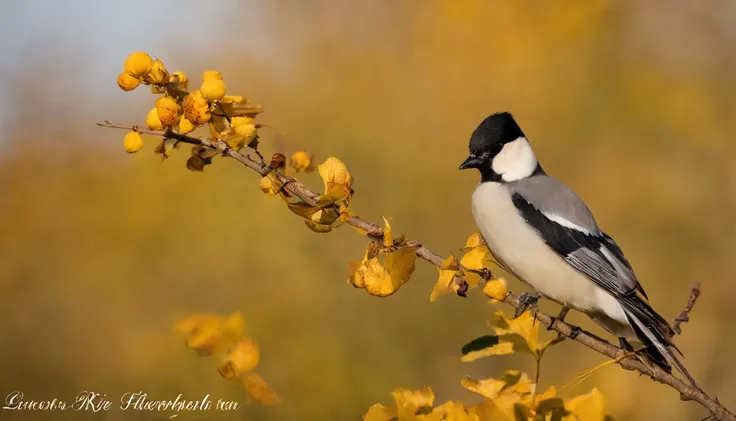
(542,232)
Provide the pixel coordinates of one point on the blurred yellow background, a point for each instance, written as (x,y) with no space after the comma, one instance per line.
(630,103)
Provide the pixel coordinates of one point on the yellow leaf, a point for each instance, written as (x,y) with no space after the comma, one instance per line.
(127,82)
(378,281)
(356,273)
(475,240)
(333,170)
(523,327)
(138,64)
(234,325)
(324,217)
(244,356)
(158,75)
(303,209)
(588,407)
(195,321)
(447,270)
(496,289)
(475,258)
(455,411)
(502,348)
(334,192)
(388,240)
(209,334)
(318,228)
(450,263)
(548,394)
(488,388)
(358,268)
(413,399)
(259,390)
(489,410)
(378,412)
(400,264)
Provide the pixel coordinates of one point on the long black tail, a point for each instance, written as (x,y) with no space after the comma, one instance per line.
(654,332)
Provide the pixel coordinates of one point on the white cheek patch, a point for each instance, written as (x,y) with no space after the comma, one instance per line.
(515,161)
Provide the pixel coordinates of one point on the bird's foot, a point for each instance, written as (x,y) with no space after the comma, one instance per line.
(574,332)
(527,301)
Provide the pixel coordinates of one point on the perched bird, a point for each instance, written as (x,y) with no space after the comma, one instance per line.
(544,234)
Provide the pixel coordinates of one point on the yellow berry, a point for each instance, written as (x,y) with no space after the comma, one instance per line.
(196,109)
(133,142)
(127,82)
(182,81)
(167,110)
(138,64)
(211,75)
(158,74)
(213,90)
(496,289)
(152,120)
(186,126)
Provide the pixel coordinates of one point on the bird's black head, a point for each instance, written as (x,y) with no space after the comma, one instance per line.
(489,139)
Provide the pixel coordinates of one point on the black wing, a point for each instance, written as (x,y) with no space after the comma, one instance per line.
(595,255)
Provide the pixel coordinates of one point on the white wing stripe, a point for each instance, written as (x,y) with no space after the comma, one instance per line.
(567,224)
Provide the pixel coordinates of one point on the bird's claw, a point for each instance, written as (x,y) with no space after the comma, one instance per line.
(575,332)
(527,301)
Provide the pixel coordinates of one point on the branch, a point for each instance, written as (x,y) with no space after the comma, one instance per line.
(293,186)
(684,315)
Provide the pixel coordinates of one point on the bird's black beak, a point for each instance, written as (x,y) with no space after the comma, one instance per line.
(472,162)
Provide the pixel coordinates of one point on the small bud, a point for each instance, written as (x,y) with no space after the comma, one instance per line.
(278,161)
(211,75)
(133,142)
(127,82)
(213,90)
(138,64)
(496,289)
(152,120)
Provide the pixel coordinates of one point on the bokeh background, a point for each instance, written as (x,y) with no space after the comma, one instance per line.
(630,103)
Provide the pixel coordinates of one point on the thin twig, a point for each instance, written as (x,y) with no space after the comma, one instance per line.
(684,315)
(293,186)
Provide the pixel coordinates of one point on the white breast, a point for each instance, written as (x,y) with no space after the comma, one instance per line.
(523,251)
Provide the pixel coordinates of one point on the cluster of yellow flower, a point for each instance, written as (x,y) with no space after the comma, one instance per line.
(212,334)
(229,118)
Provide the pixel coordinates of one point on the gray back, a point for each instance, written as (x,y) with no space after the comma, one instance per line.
(551,196)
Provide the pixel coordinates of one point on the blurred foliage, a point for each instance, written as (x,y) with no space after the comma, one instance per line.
(630,103)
